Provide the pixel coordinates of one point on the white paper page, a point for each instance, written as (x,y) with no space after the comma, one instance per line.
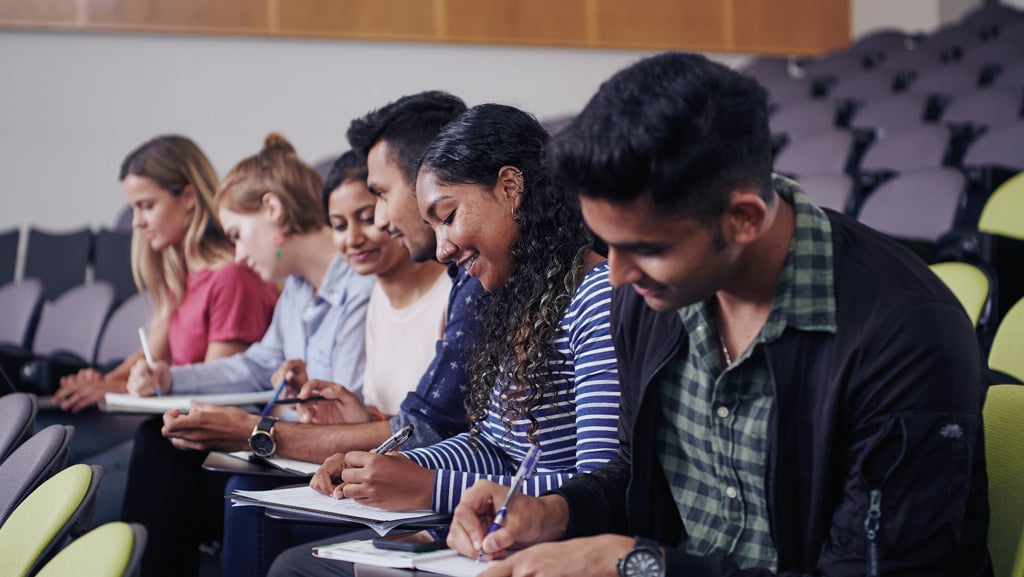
(308,499)
(455,566)
(122,402)
(292,465)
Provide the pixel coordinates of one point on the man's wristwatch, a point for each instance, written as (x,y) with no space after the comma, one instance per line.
(644,560)
(261,441)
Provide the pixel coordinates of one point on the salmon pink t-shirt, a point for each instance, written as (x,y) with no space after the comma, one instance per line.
(230,303)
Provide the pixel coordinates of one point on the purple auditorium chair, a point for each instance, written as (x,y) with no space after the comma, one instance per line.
(998,53)
(782,91)
(989,18)
(954,39)
(799,119)
(988,108)
(1001,147)
(34,461)
(905,150)
(17,421)
(891,113)
(120,335)
(829,190)
(836,65)
(112,261)
(68,334)
(767,68)
(58,259)
(913,60)
(884,40)
(1011,76)
(915,206)
(951,80)
(823,152)
(20,304)
(8,254)
(864,86)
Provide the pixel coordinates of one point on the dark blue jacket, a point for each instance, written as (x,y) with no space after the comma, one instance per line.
(886,409)
(436,408)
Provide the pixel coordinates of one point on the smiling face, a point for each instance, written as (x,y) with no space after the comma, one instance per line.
(671,261)
(473,225)
(396,210)
(253,235)
(367,247)
(156,213)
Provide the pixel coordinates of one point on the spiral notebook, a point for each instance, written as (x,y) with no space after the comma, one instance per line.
(444,562)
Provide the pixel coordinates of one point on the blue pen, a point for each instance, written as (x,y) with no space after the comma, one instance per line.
(270,403)
(526,469)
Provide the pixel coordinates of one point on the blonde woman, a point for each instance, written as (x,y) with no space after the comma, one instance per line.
(206,306)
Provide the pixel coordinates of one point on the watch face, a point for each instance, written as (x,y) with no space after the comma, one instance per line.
(262,444)
(642,563)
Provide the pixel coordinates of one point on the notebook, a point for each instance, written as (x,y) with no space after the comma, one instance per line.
(125,403)
(293,466)
(303,499)
(444,562)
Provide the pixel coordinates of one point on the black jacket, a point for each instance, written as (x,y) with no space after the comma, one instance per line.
(887,407)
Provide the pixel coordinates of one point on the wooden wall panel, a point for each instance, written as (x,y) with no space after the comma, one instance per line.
(412,19)
(808,27)
(517,21)
(696,24)
(240,16)
(38,11)
(785,26)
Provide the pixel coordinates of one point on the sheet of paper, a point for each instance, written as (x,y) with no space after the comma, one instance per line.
(303,499)
(304,468)
(125,403)
(444,562)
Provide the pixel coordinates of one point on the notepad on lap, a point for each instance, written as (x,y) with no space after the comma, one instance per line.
(444,562)
(305,499)
(295,466)
(124,403)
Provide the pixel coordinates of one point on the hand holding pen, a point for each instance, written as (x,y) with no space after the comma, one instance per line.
(526,468)
(148,376)
(328,478)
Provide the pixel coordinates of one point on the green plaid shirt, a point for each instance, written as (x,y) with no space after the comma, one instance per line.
(713,437)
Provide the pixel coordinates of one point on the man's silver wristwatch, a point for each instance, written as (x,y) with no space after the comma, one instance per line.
(644,560)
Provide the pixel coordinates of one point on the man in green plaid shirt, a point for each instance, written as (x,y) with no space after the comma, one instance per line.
(800,394)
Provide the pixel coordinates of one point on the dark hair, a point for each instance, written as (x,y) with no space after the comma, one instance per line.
(519,320)
(685,129)
(348,167)
(408,125)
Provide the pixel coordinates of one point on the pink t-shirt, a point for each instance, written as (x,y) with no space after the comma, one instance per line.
(230,303)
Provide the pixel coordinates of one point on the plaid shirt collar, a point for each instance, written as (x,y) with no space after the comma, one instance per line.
(805,294)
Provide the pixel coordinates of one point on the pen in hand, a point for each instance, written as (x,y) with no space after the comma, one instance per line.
(149,355)
(273,400)
(526,469)
(394,442)
(298,401)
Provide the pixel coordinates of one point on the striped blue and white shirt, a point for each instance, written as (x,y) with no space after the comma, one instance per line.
(578,427)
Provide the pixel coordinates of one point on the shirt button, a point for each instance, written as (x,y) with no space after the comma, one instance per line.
(731,492)
(723,411)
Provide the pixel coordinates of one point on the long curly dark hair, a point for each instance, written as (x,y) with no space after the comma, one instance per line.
(515,342)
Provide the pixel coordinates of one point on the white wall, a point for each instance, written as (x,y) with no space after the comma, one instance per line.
(72,105)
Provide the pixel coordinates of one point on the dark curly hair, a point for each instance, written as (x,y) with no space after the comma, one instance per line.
(519,321)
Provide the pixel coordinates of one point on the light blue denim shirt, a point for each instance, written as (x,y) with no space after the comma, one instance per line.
(325,329)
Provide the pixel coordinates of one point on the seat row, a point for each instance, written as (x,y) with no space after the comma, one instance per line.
(46,508)
(82,327)
(62,260)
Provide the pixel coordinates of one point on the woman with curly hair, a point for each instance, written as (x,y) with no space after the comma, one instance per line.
(544,370)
